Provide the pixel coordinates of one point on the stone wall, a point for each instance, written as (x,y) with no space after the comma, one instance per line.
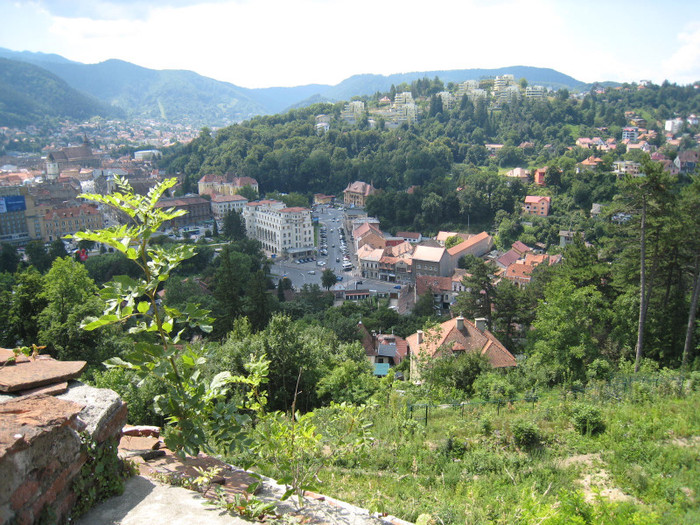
(42,451)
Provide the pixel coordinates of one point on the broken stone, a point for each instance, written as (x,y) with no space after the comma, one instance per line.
(7,356)
(25,418)
(38,373)
(49,390)
(141,430)
(139,443)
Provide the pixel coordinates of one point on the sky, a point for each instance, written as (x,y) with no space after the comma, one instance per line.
(265,43)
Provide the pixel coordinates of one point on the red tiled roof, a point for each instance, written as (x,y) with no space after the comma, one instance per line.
(447,337)
(519,271)
(432,284)
(465,245)
(536,199)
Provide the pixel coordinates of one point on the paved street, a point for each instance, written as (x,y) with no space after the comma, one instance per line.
(332,219)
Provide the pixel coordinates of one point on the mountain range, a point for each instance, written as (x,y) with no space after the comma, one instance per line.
(115,87)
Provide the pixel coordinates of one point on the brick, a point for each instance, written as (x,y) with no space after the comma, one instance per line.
(114,426)
(24,493)
(37,373)
(24,419)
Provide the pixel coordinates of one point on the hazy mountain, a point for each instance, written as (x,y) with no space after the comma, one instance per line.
(185,96)
(277,99)
(370,84)
(30,94)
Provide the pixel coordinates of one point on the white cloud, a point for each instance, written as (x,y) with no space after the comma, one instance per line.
(256,43)
(684,65)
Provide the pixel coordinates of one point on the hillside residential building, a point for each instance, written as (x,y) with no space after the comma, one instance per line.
(439,287)
(535,92)
(224,185)
(567,237)
(539,176)
(222,205)
(537,205)
(519,173)
(626,167)
(382,350)
(454,337)
(687,161)
(357,192)
(630,133)
(280,230)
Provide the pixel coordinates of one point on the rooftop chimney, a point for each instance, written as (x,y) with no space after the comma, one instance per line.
(460,323)
(419,333)
(481,324)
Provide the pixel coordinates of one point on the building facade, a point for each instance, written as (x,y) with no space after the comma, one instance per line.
(357,192)
(222,205)
(281,230)
(60,222)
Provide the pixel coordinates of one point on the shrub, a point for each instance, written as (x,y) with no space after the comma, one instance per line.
(486,425)
(493,387)
(588,419)
(525,433)
(599,369)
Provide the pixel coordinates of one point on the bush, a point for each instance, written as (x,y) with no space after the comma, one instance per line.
(525,433)
(599,369)
(588,419)
(493,387)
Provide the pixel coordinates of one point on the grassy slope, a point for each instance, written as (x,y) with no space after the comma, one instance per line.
(467,467)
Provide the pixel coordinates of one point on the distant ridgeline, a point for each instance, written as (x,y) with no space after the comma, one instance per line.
(125,89)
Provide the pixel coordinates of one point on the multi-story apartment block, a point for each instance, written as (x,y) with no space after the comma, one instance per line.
(198,210)
(502,82)
(14,213)
(403,98)
(60,222)
(280,230)
(353,111)
(630,133)
(222,205)
(467,87)
(535,92)
(448,100)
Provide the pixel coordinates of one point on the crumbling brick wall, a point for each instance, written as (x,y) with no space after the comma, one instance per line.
(41,450)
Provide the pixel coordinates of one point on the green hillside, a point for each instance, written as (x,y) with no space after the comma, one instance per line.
(30,94)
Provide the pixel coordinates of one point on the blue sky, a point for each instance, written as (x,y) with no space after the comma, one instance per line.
(261,43)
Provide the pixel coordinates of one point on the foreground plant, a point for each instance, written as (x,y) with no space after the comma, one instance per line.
(298,450)
(196,408)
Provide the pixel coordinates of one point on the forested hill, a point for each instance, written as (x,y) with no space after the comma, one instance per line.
(284,152)
(30,95)
(358,85)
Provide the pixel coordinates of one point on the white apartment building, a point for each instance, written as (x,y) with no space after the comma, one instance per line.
(448,100)
(535,92)
(467,87)
(221,205)
(502,82)
(403,98)
(280,230)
